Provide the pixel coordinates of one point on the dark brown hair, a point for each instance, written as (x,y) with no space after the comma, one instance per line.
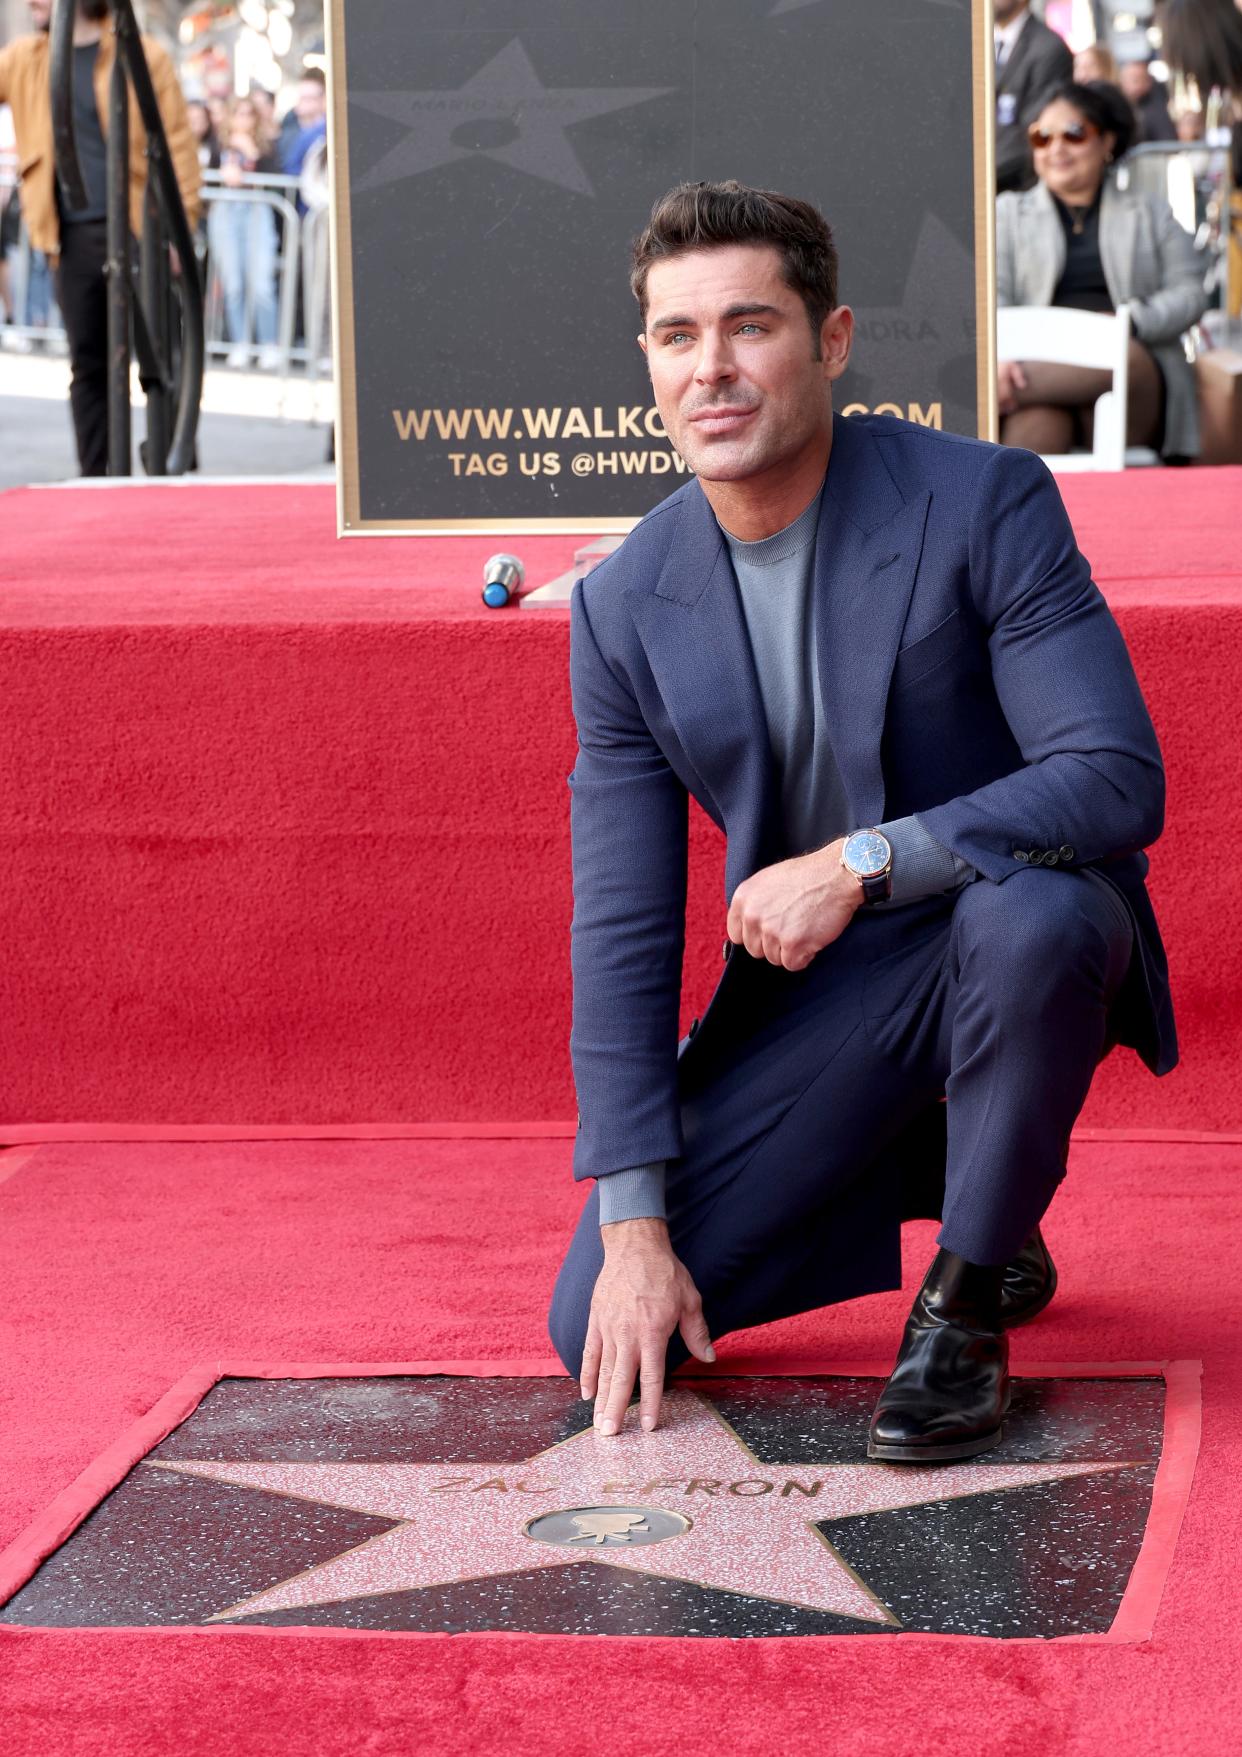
(703,216)
(1101,103)
(1203,42)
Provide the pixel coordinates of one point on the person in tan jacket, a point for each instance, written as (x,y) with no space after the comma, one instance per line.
(76,240)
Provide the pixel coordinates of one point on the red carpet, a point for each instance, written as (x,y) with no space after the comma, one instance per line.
(284,820)
(284,826)
(124,1266)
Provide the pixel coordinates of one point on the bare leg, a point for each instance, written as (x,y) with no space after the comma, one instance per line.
(1144,400)
(1071,387)
(1058,404)
(1042,428)
(1050,408)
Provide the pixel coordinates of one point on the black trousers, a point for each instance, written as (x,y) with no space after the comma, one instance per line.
(82,290)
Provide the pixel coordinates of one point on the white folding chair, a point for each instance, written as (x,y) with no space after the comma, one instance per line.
(1079,338)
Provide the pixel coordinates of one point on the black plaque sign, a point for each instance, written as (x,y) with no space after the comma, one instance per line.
(493,159)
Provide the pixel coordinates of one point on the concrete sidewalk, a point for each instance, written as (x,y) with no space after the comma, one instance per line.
(251,424)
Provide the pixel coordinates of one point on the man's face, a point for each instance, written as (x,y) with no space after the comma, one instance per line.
(1005,11)
(732,360)
(40,13)
(310,104)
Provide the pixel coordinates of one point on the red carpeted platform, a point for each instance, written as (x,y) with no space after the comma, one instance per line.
(285,827)
(126,1265)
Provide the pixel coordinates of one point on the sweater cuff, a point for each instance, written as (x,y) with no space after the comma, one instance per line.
(634,1194)
(921,865)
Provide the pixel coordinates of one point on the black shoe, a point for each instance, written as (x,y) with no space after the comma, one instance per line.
(948,1394)
(1029,1284)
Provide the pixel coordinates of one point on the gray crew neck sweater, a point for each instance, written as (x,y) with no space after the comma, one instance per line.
(774,579)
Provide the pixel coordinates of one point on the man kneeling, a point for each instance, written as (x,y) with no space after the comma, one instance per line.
(874,655)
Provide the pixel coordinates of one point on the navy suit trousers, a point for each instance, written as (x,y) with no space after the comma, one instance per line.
(797,1085)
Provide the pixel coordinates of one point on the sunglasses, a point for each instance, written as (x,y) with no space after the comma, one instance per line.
(1074,135)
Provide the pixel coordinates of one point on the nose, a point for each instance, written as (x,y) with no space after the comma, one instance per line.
(715,362)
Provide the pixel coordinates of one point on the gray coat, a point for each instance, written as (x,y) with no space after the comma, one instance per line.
(1149,263)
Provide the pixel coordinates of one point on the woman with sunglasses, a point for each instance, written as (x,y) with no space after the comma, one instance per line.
(1076,239)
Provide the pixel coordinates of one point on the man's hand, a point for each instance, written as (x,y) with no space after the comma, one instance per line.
(642,1295)
(1010,379)
(788,912)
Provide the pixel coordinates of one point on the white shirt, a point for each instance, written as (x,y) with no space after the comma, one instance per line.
(1006,35)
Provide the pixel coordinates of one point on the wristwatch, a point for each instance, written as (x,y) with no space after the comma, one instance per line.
(869,856)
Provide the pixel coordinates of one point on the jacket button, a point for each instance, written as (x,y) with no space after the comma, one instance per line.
(1021,854)
(1051,857)
(579,1119)
(1067,853)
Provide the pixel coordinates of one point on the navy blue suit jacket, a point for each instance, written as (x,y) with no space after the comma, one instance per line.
(972,674)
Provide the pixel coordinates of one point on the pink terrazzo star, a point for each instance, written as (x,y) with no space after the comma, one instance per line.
(751,1526)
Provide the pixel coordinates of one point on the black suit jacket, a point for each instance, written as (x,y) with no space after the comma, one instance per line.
(1038,61)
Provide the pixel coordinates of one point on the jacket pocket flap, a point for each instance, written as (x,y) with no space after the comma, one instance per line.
(923,655)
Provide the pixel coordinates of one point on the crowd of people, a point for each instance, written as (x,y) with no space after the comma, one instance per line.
(1071,233)
(1064,128)
(241,141)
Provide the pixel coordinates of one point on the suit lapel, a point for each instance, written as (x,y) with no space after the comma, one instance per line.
(1012,64)
(1041,247)
(1118,237)
(694,634)
(866,557)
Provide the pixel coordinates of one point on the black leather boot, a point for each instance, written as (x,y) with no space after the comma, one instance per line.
(948,1394)
(1030,1282)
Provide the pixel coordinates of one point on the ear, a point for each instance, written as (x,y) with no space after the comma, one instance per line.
(836,338)
(642,342)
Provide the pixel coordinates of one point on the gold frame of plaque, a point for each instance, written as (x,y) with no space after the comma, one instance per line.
(350,521)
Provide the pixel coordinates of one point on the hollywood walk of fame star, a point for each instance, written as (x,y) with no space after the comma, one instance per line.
(733,1523)
(504,112)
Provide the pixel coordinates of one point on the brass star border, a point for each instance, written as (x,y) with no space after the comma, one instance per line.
(1134,1619)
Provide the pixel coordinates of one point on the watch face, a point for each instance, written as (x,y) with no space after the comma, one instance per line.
(867,853)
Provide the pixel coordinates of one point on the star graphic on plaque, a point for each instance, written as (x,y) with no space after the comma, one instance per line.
(502,112)
(689,1503)
(891,342)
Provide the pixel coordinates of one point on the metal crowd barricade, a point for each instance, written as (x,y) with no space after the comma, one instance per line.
(302,277)
(317,291)
(1194,178)
(24,273)
(277,193)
